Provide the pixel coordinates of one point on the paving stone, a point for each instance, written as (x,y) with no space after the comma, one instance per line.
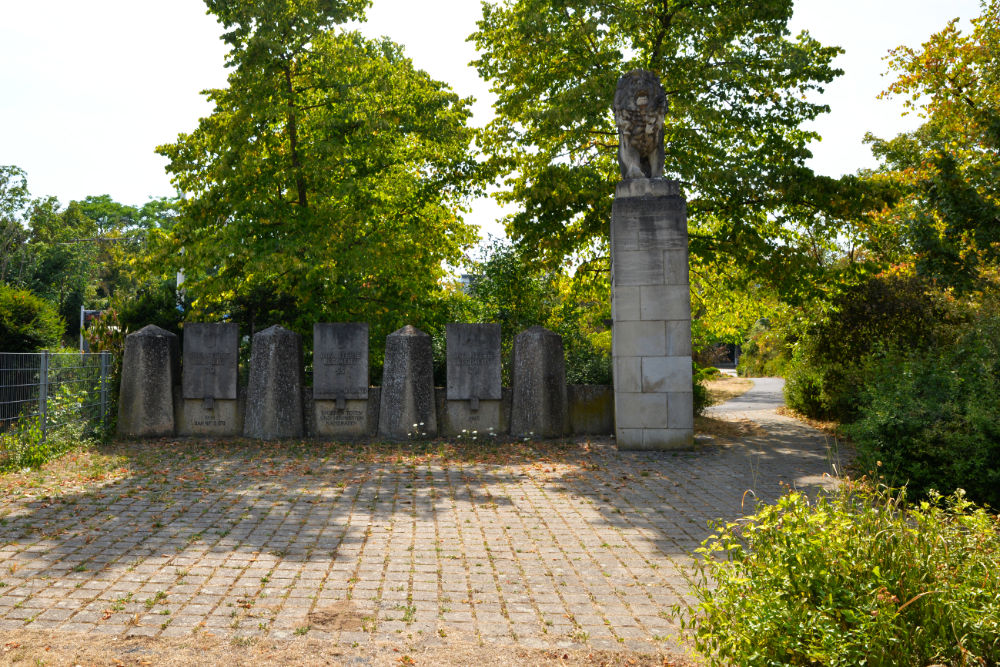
(502,553)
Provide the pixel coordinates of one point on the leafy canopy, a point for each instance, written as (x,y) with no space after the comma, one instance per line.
(328,182)
(948,169)
(738,87)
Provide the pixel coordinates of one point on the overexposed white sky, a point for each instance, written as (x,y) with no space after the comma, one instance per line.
(89,89)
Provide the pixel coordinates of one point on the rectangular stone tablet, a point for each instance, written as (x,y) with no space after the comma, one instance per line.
(474,362)
(211,360)
(340,361)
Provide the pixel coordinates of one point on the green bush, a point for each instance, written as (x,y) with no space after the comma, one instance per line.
(701,398)
(27,322)
(832,361)
(856,578)
(932,420)
(824,391)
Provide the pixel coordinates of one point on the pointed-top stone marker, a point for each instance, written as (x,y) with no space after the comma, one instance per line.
(150,369)
(538,406)
(407,406)
(274,396)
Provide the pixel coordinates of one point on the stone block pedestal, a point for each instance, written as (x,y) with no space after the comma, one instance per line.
(651,309)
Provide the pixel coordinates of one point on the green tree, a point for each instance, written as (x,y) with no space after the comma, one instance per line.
(517,293)
(948,169)
(328,182)
(14,198)
(739,91)
(63,268)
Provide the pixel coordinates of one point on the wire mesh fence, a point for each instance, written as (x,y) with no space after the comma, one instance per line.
(54,390)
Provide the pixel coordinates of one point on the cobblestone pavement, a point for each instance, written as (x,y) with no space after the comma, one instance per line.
(581,545)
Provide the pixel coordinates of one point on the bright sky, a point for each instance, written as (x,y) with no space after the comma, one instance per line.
(88,89)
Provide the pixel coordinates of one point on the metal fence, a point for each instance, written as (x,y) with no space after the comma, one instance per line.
(56,389)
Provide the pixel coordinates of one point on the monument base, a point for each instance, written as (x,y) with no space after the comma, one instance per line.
(458,418)
(223,419)
(351,422)
(651,310)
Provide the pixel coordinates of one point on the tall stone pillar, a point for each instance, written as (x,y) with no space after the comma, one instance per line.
(651,308)
(650,294)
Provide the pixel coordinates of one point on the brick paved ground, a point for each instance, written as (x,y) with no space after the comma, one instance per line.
(583,546)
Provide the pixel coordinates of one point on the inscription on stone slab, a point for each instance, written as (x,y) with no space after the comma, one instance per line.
(340,361)
(211,360)
(473,362)
(344,417)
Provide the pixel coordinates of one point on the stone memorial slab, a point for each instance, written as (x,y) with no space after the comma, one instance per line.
(539,404)
(340,379)
(473,362)
(407,402)
(340,361)
(150,369)
(274,395)
(209,395)
(211,360)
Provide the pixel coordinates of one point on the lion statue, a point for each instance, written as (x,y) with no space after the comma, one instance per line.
(640,105)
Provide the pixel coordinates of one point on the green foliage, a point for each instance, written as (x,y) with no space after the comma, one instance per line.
(932,420)
(27,322)
(26,445)
(328,183)
(151,303)
(946,170)
(514,291)
(766,353)
(14,198)
(701,375)
(831,361)
(76,256)
(856,578)
(738,87)
(727,299)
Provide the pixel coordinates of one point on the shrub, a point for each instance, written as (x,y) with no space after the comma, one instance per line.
(701,397)
(932,421)
(831,362)
(588,357)
(27,322)
(822,391)
(153,303)
(856,578)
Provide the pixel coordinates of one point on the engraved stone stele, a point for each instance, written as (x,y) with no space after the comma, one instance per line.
(640,106)
(407,407)
(538,406)
(209,389)
(150,369)
(340,379)
(474,388)
(274,395)
(650,295)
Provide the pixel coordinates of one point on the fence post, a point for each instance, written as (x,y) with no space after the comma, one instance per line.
(104,387)
(43,390)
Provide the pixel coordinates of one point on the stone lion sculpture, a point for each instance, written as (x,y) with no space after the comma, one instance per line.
(640,106)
